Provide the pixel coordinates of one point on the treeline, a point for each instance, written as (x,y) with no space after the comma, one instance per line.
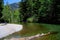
(45,11)
(12,16)
(1,8)
(8,15)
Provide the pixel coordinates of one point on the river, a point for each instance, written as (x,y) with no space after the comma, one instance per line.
(30,29)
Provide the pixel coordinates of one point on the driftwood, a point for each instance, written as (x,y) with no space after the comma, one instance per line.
(33,37)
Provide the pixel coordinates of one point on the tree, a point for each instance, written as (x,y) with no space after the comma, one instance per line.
(42,10)
(16,16)
(45,11)
(8,13)
(24,10)
(56,11)
(1,2)
(1,8)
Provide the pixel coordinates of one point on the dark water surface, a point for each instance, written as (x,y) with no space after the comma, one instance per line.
(35,28)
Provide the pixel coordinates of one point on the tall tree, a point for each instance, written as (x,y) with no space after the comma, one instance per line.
(56,11)
(8,13)
(1,2)
(42,10)
(1,8)
(24,10)
(45,10)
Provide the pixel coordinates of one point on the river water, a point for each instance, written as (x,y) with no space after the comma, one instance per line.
(30,29)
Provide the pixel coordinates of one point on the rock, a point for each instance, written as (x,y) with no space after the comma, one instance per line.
(8,29)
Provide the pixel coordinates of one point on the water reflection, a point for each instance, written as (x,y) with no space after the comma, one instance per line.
(35,28)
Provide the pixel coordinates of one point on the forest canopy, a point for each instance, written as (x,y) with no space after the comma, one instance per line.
(46,11)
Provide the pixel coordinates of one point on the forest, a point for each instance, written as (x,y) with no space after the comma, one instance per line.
(32,11)
(40,16)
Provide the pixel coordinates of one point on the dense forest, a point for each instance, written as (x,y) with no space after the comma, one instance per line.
(35,11)
(1,1)
(46,11)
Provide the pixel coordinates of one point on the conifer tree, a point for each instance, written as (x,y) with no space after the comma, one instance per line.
(1,8)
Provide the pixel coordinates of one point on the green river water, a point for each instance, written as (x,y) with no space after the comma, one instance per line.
(30,29)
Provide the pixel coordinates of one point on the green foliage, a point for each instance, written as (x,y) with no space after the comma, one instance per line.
(37,8)
(33,11)
(30,19)
(16,16)
(1,8)
(7,13)
(24,10)
(12,16)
